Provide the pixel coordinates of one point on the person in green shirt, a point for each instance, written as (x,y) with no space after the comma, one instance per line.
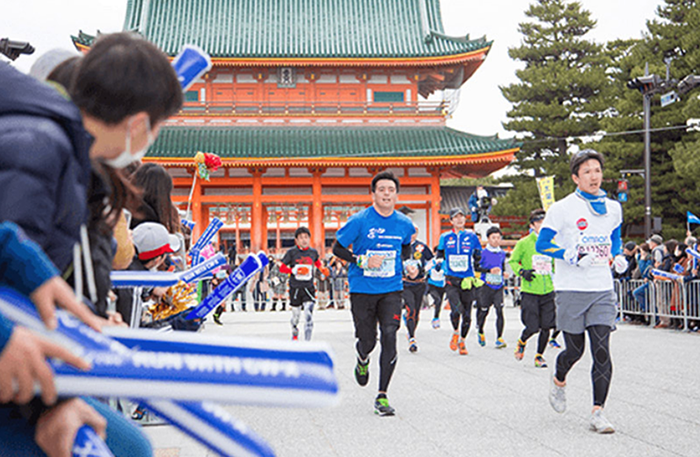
(537,310)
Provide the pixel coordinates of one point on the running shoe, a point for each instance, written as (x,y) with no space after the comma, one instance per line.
(138,414)
(482,339)
(520,351)
(540,362)
(453,341)
(600,424)
(436,323)
(557,397)
(216,319)
(381,407)
(500,344)
(362,372)
(295,337)
(412,346)
(554,344)
(462,348)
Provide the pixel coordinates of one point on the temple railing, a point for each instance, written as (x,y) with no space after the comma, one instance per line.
(424,108)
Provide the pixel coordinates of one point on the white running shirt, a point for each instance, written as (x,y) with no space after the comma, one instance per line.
(577,226)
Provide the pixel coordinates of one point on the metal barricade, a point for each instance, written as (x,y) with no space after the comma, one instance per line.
(669,301)
(692,303)
(635,298)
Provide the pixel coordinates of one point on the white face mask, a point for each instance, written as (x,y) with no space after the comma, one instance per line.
(126,157)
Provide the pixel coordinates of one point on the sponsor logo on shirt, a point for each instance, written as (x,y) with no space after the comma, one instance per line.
(374,231)
(582,224)
(595,239)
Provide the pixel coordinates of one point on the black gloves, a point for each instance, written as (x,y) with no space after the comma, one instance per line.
(528,275)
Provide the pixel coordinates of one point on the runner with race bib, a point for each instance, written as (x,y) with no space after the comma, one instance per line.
(493,260)
(299,262)
(587,226)
(461,250)
(380,238)
(537,310)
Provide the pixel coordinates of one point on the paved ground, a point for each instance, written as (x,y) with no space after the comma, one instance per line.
(485,403)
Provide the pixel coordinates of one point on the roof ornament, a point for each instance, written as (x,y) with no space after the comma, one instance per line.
(425,24)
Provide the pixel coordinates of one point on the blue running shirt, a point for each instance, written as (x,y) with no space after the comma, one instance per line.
(370,233)
(459,248)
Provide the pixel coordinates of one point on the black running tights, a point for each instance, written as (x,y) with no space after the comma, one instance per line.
(601,372)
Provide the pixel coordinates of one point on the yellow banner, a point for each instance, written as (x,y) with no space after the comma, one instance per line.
(546,188)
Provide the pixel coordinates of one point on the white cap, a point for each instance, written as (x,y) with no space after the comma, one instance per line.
(152,239)
(44,65)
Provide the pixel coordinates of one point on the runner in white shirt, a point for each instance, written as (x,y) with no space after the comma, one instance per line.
(586,225)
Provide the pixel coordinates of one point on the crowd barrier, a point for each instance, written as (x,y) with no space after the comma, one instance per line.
(660,301)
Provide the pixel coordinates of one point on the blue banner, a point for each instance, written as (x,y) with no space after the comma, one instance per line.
(666,274)
(692,218)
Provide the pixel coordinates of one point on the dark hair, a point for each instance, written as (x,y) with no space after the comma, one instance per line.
(157,185)
(124,74)
(582,156)
(671,246)
(386,174)
(537,215)
(493,230)
(682,247)
(64,72)
(301,230)
(645,247)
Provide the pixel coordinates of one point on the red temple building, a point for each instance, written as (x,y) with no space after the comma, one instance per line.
(306,101)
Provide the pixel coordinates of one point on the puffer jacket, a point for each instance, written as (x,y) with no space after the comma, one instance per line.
(44,164)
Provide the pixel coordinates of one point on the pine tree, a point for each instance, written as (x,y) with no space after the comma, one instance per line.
(558,96)
(673,34)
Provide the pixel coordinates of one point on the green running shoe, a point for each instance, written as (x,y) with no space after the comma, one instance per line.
(381,407)
(362,372)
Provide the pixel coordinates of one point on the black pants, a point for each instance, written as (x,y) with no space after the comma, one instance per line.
(601,373)
(538,314)
(368,310)
(487,297)
(412,300)
(438,293)
(460,304)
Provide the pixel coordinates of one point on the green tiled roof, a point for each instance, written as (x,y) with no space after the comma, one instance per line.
(297,28)
(315,142)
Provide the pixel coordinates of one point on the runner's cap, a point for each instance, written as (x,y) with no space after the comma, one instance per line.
(455,211)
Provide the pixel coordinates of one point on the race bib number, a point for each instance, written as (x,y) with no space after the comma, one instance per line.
(598,246)
(388,267)
(494,279)
(542,264)
(303,272)
(459,263)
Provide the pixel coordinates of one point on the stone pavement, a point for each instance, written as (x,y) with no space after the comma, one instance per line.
(483,404)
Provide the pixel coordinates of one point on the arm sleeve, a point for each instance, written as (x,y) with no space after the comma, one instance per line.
(5,331)
(616,239)
(344,253)
(405,251)
(23,265)
(545,244)
(440,254)
(428,254)
(285,269)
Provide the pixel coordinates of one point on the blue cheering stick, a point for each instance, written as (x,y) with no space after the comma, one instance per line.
(164,278)
(666,274)
(246,270)
(190,63)
(88,444)
(203,240)
(281,374)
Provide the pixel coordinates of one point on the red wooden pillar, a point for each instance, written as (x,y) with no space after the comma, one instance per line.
(263,223)
(256,219)
(435,209)
(318,236)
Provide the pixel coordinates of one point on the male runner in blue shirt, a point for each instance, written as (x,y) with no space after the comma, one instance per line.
(380,238)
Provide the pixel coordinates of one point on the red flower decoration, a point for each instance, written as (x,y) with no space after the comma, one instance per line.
(212,161)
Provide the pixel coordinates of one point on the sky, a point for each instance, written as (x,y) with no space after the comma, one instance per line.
(48,24)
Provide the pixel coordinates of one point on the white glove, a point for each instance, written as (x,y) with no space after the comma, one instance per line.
(620,263)
(585,261)
(571,256)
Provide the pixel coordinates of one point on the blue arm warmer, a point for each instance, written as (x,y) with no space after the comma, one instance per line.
(616,237)
(546,246)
